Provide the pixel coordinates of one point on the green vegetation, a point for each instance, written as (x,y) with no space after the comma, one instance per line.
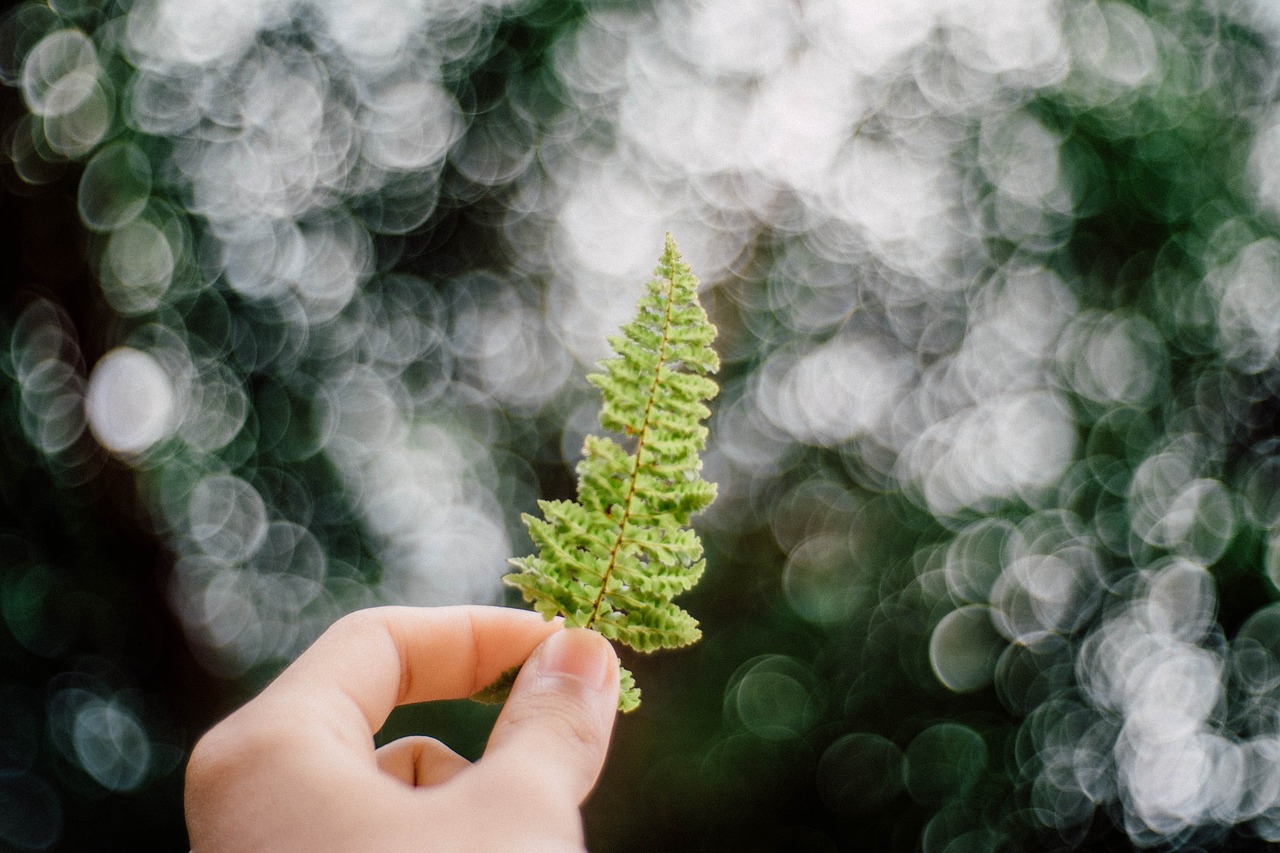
(613,560)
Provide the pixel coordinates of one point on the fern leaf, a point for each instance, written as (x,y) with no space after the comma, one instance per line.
(613,560)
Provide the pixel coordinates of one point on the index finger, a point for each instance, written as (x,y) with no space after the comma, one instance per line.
(379,658)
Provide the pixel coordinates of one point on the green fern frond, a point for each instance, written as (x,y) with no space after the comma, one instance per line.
(613,560)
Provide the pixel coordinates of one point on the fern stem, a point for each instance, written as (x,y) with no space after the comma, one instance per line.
(635,469)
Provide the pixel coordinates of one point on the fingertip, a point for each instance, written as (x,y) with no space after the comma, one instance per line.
(554,731)
(580,654)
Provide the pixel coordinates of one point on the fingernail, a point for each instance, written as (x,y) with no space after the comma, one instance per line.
(576,653)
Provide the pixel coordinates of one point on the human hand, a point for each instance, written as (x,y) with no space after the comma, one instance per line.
(295,768)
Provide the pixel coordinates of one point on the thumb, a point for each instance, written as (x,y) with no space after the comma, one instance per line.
(553,732)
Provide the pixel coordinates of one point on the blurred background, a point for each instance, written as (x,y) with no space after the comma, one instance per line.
(298,300)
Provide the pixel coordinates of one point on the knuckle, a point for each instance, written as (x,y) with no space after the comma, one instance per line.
(358,621)
(534,817)
(530,802)
(563,718)
(228,748)
(214,758)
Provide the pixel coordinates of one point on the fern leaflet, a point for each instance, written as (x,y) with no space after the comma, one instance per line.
(613,560)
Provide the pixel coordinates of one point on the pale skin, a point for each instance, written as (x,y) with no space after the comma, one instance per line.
(296,768)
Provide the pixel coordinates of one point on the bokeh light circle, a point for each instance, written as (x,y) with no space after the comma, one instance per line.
(130,402)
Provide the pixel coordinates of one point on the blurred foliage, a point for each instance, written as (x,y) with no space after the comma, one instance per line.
(303,294)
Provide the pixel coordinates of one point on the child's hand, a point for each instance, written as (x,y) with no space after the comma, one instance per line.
(295,768)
